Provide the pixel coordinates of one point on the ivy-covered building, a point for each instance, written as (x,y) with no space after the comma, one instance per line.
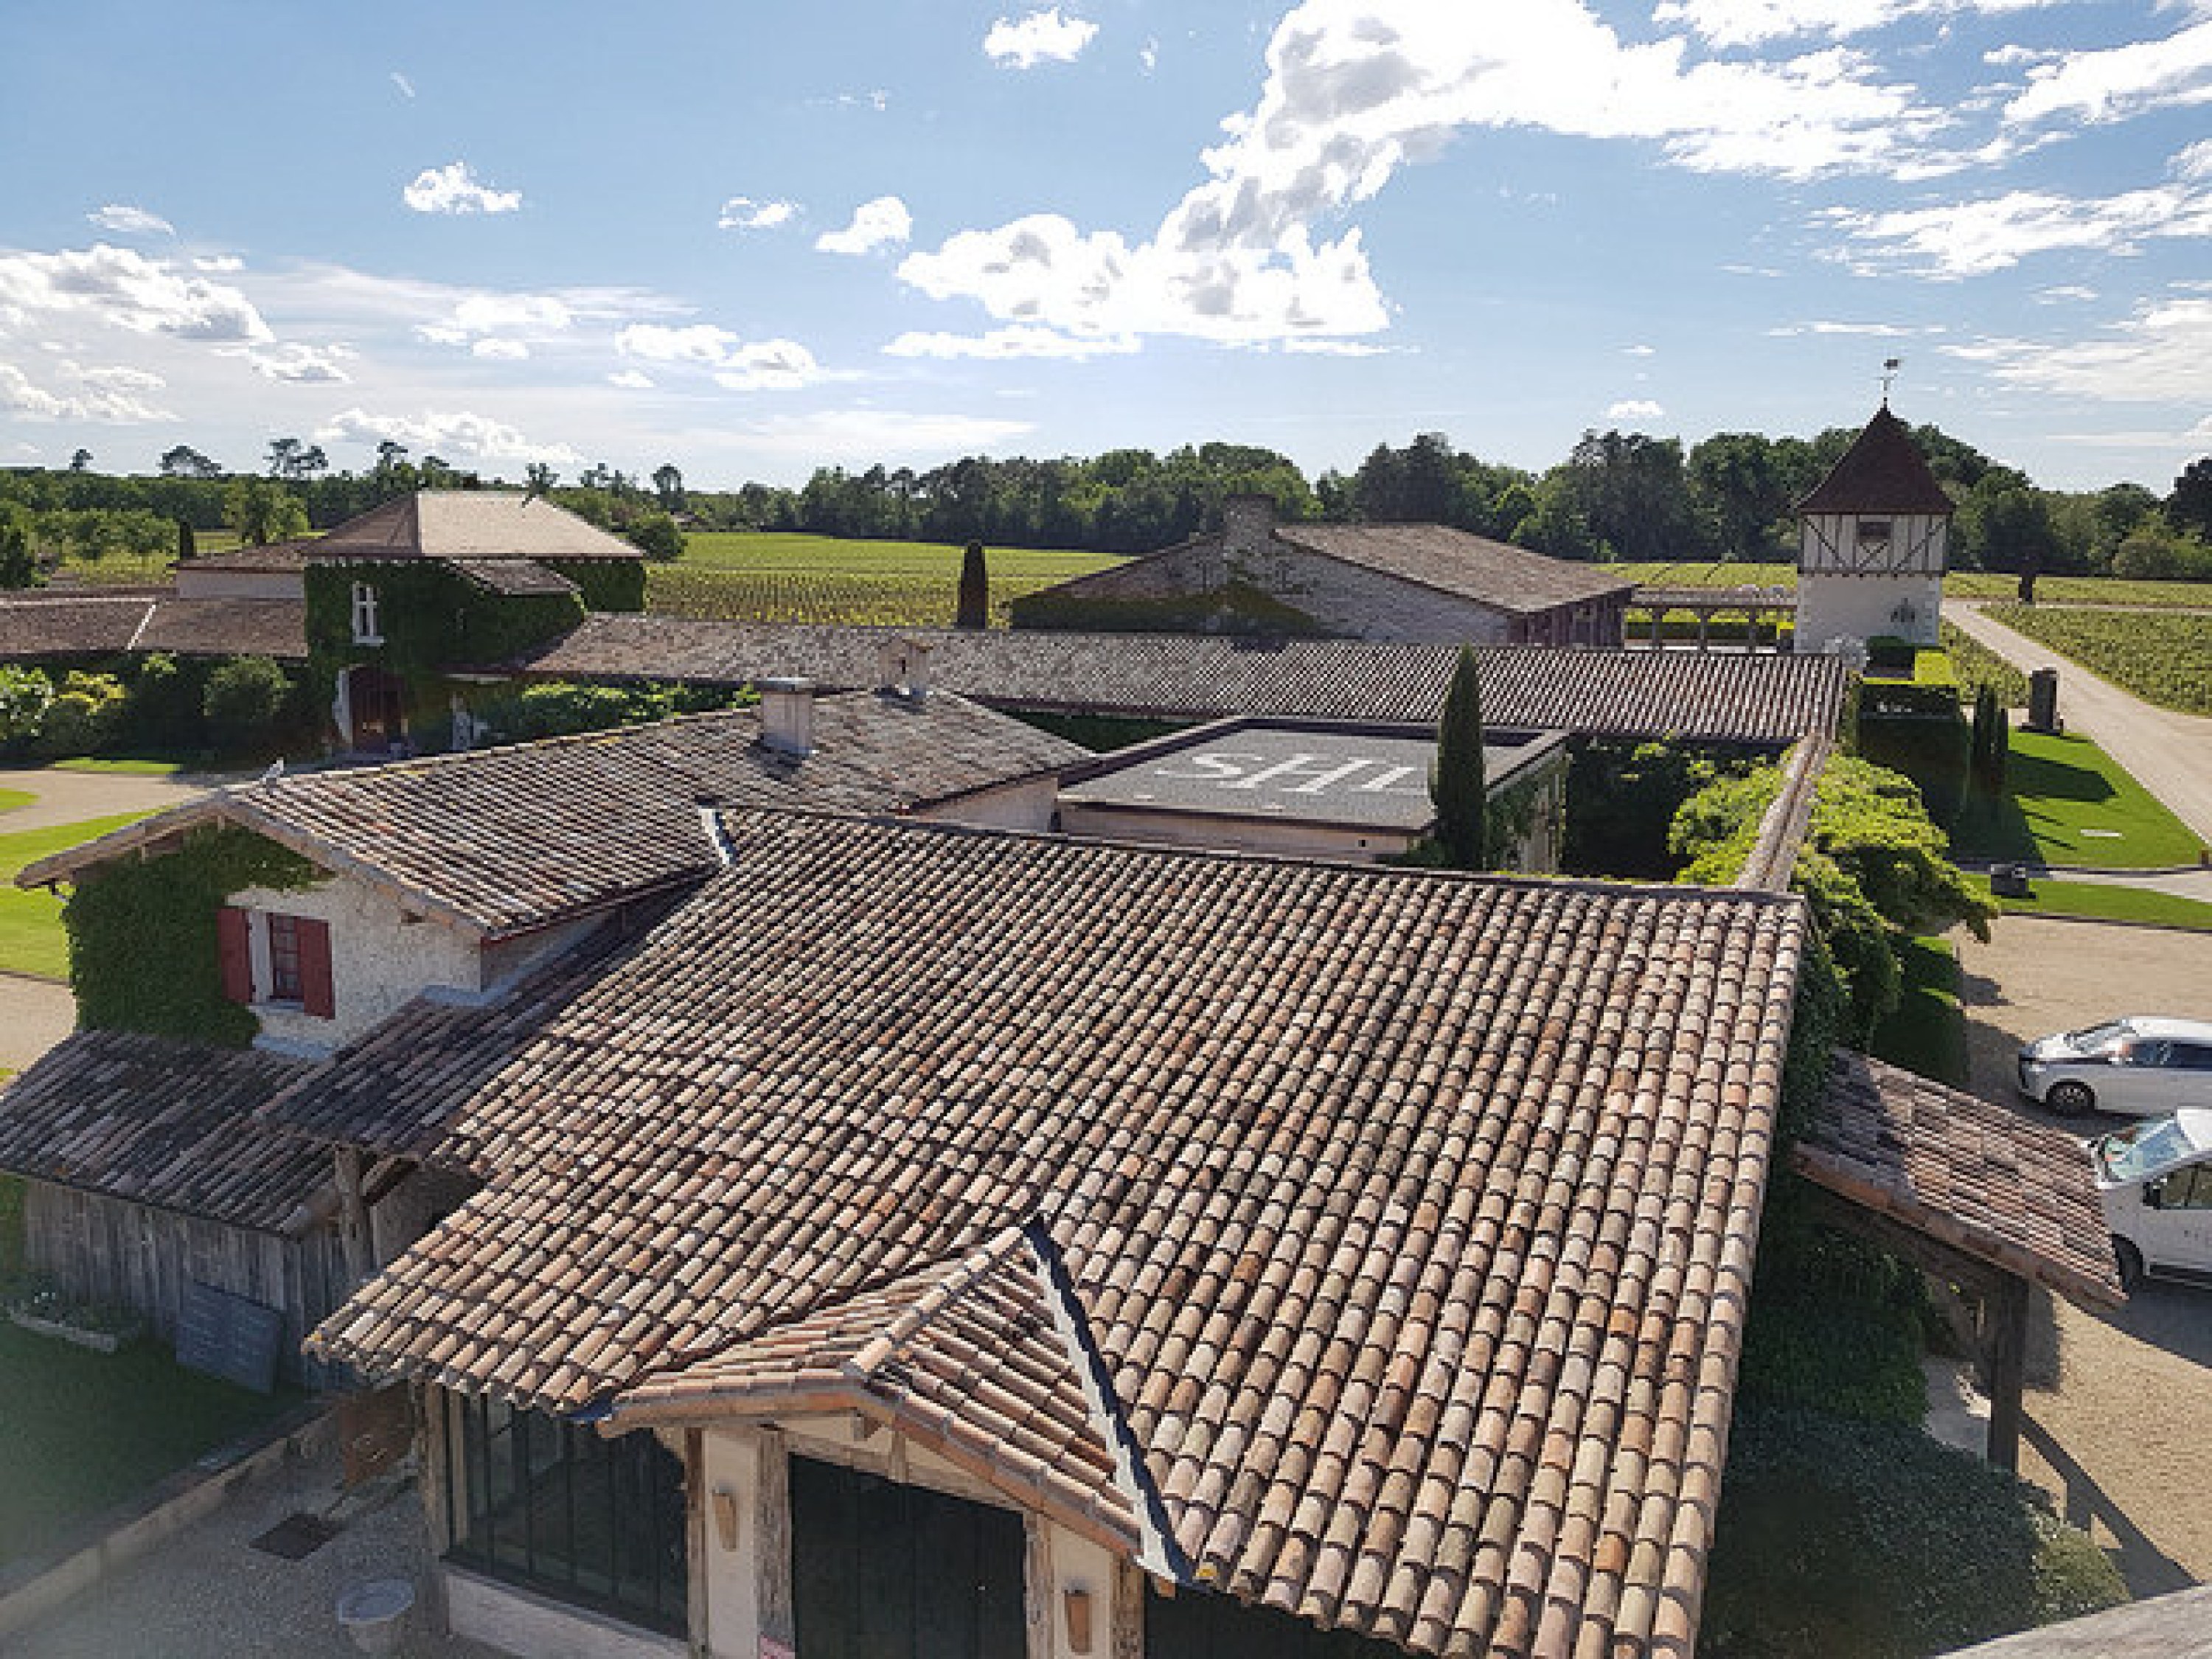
(406,604)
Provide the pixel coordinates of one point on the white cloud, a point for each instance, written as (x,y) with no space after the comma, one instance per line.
(2064,293)
(1022,340)
(2161,354)
(447,433)
(302,365)
(2194,162)
(882,223)
(1335,349)
(1638,351)
(1870,331)
(867,435)
(631,380)
(1754,22)
(2118,81)
(219,264)
(500,350)
(501,325)
(1357,89)
(739,365)
(1634,409)
(1041,36)
(126,220)
(1148,55)
(455,189)
(1973,239)
(406,87)
(125,288)
(111,396)
(744,213)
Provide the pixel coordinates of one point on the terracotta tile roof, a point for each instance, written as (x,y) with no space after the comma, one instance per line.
(968,1357)
(512,576)
(1410,1215)
(400,1090)
(507,839)
(1947,1163)
(161,1122)
(1882,471)
(89,625)
(1723,696)
(469,523)
(1494,573)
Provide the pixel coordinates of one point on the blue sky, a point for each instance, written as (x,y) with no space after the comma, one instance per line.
(754,238)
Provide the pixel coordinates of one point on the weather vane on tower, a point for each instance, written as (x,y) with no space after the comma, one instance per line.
(1889,367)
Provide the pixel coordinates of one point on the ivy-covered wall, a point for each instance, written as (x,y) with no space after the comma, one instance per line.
(142,935)
(606,584)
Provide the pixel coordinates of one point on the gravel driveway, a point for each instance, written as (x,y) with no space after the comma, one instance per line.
(2119,1406)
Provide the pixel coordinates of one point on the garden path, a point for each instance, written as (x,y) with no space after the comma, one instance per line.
(66,797)
(2170,754)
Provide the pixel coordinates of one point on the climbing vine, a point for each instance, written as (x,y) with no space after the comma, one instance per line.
(141,934)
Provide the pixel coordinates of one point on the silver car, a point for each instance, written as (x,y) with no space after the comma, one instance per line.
(2139,1066)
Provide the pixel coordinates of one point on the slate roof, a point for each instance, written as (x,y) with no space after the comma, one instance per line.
(100,625)
(1882,471)
(1494,573)
(1410,1215)
(967,1357)
(504,839)
(469,523)
(1981,1179)
(1720,696)
(155,1122)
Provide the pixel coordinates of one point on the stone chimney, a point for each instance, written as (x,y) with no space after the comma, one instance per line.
(787,716)
(1247,521)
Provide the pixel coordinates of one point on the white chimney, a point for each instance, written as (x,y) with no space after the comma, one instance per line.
(902,666)
(788,716)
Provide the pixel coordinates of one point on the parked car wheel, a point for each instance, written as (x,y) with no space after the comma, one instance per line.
(2130,1264)
(2069,1099)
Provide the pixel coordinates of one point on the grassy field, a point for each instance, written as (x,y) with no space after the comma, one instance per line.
(2166,660)
(2105,903)
(31,938)
(1959,584)
(2068,802)
(121,570)
(86,1430)
(747,576)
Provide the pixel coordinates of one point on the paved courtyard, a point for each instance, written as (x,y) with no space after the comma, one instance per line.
(2119,1406)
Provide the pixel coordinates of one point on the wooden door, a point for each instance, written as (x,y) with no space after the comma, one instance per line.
(881,1571)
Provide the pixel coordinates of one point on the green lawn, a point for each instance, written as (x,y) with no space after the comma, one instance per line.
(12,799)
(1927,1033)
(31,938)
(2106,903)
(86,1430)
(2067,802)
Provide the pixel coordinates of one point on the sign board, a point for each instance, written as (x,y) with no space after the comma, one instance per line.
(228,1336)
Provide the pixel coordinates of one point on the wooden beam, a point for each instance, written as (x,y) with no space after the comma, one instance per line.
(696,1608)
(353,1217)
(772,1537)
(2005,1356)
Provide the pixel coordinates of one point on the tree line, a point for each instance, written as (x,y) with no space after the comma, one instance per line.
(1616,496)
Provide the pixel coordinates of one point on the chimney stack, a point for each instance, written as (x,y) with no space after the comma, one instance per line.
(902,666)
(1247,521)
(787,716)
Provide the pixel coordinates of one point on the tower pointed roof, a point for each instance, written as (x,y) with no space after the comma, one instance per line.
(1882,471)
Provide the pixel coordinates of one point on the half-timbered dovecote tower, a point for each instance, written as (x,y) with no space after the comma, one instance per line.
(1871,543)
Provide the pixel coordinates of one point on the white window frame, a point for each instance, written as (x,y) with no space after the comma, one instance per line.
(365,630)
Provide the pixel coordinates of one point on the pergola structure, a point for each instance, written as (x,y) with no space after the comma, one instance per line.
(1976,1196)
(1759,607)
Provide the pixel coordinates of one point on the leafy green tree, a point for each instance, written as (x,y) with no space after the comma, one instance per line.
(668,484)
(82,461)
(2190,506)
(975,604)
(1742,486)
(1632,492)
(187,545)
(186,462)
(19,566)
(2004,523)
(284,457)
(244,703)
(657,533)
(263,511)
(1457,783)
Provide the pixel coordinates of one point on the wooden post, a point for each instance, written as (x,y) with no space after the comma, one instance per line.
(1038,1590)
(353,1217)
(2004,1350)
(695,1611)
(772,1538)
(1126,1638)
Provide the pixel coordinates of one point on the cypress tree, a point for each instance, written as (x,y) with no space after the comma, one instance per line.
(187,546)
(975,609)
(1457,784)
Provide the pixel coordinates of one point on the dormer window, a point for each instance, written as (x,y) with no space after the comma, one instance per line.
(365,630)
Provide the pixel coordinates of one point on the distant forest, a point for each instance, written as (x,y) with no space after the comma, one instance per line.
(1617,496)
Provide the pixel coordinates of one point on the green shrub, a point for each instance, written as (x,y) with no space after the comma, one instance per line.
(559,708)
(246,704)
(1841,1539)
(1931,749)
(25,694)
(84,717)
(1622,796)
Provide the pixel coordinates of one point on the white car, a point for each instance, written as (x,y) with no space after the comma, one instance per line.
(2139,1067)
(2156,1180)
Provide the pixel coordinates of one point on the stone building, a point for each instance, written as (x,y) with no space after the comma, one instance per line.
(1872,541)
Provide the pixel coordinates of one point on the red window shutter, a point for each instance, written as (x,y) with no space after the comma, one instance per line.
(234,953)
(316,994)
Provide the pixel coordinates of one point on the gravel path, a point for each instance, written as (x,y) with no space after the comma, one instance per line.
(73,797)
(34,1015)
(2120,1405)
(2170,754)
